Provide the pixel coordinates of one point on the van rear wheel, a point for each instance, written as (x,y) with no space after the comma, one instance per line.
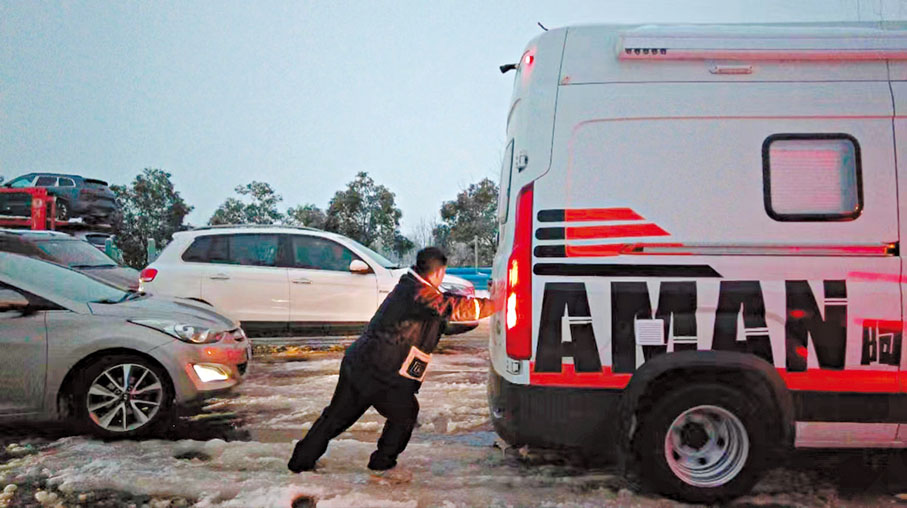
(703,443)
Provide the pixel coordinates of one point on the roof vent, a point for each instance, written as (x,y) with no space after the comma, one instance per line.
(753,43)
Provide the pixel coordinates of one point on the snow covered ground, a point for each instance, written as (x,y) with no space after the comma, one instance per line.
(234,454)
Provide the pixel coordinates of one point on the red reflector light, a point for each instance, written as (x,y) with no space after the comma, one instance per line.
(518,297)
(528,59)
(148,274)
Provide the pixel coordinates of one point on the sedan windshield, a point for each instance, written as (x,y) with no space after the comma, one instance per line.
(56,282)
(378,258)
(75,254)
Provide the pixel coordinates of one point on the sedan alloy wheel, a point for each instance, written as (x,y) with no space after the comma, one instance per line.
(124,397)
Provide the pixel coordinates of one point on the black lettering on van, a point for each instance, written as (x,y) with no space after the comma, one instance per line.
(881,343)
(677,303)
(630,301)
(804,320)
(566,299)
(732,297)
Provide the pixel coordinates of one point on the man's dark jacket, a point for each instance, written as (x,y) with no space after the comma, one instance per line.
(411,315)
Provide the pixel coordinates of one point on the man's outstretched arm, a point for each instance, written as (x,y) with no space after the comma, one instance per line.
(468,308)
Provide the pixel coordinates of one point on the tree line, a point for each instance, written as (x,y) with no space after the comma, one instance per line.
(364,210)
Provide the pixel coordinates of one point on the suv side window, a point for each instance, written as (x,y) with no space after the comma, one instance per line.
(218,250)
(242,249)
(254,250)
(316,253)
(46,181)
(198,251)
(209,249)
(66,182)
(21,182)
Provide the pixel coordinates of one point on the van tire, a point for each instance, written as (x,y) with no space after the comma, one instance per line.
(113,363)
(734,440)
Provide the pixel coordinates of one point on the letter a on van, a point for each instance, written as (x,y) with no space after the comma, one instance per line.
(699,264)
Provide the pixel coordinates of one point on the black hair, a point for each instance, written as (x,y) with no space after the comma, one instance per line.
(430,259)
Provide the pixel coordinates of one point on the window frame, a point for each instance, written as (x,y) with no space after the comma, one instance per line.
(54,178)
(231,250)
(196,240)
(70,180)
(228,238)
(290,259)
(810,217)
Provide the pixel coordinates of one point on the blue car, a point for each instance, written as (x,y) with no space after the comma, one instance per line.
(90,199)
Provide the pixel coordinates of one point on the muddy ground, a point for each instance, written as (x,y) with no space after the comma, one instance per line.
(233,453)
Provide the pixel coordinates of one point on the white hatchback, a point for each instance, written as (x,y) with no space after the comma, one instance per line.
(278,280)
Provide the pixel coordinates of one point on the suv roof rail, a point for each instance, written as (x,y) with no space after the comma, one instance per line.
(48,173)
(253,226)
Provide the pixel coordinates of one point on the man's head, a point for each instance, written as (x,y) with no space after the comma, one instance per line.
(431,265)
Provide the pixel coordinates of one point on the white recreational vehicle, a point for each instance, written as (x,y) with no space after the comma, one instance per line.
(699,261)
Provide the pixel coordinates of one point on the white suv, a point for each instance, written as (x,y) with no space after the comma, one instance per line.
(278,280)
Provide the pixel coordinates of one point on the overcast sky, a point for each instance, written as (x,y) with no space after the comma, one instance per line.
(299,94)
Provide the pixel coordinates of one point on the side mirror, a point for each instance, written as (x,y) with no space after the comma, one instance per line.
(12,301)
(359,266)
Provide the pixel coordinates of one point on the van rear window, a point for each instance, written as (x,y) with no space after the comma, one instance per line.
(504,190)
(812,177)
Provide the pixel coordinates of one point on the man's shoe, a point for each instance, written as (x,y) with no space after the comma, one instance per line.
(297,466)
(379,462)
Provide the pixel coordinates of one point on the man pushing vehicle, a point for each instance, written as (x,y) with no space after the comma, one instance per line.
(385,367)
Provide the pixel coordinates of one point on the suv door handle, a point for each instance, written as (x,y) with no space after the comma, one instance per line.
(301,281)
(220,276)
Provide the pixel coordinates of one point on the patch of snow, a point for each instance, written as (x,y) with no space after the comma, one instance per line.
(253,474)
(361,500)
(291,395)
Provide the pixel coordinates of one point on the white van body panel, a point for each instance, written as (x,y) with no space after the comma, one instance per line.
(681,148)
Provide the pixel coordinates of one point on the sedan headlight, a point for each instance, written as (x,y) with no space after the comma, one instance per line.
(184,332)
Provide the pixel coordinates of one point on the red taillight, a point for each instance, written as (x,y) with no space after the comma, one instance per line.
(148,274)
(527,62)
(518,297)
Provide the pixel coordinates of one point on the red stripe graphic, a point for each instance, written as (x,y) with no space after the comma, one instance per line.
(877,277)
(590,214)
(823,380)
(813,380)
(623,231)
(618,249)
(569,377)
(581,251)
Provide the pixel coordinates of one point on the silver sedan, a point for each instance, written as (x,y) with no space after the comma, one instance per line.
(115,362)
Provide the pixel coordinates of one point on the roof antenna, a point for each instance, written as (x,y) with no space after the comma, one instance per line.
(542,26)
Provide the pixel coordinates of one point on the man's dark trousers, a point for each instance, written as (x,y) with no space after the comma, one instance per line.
(349,403)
